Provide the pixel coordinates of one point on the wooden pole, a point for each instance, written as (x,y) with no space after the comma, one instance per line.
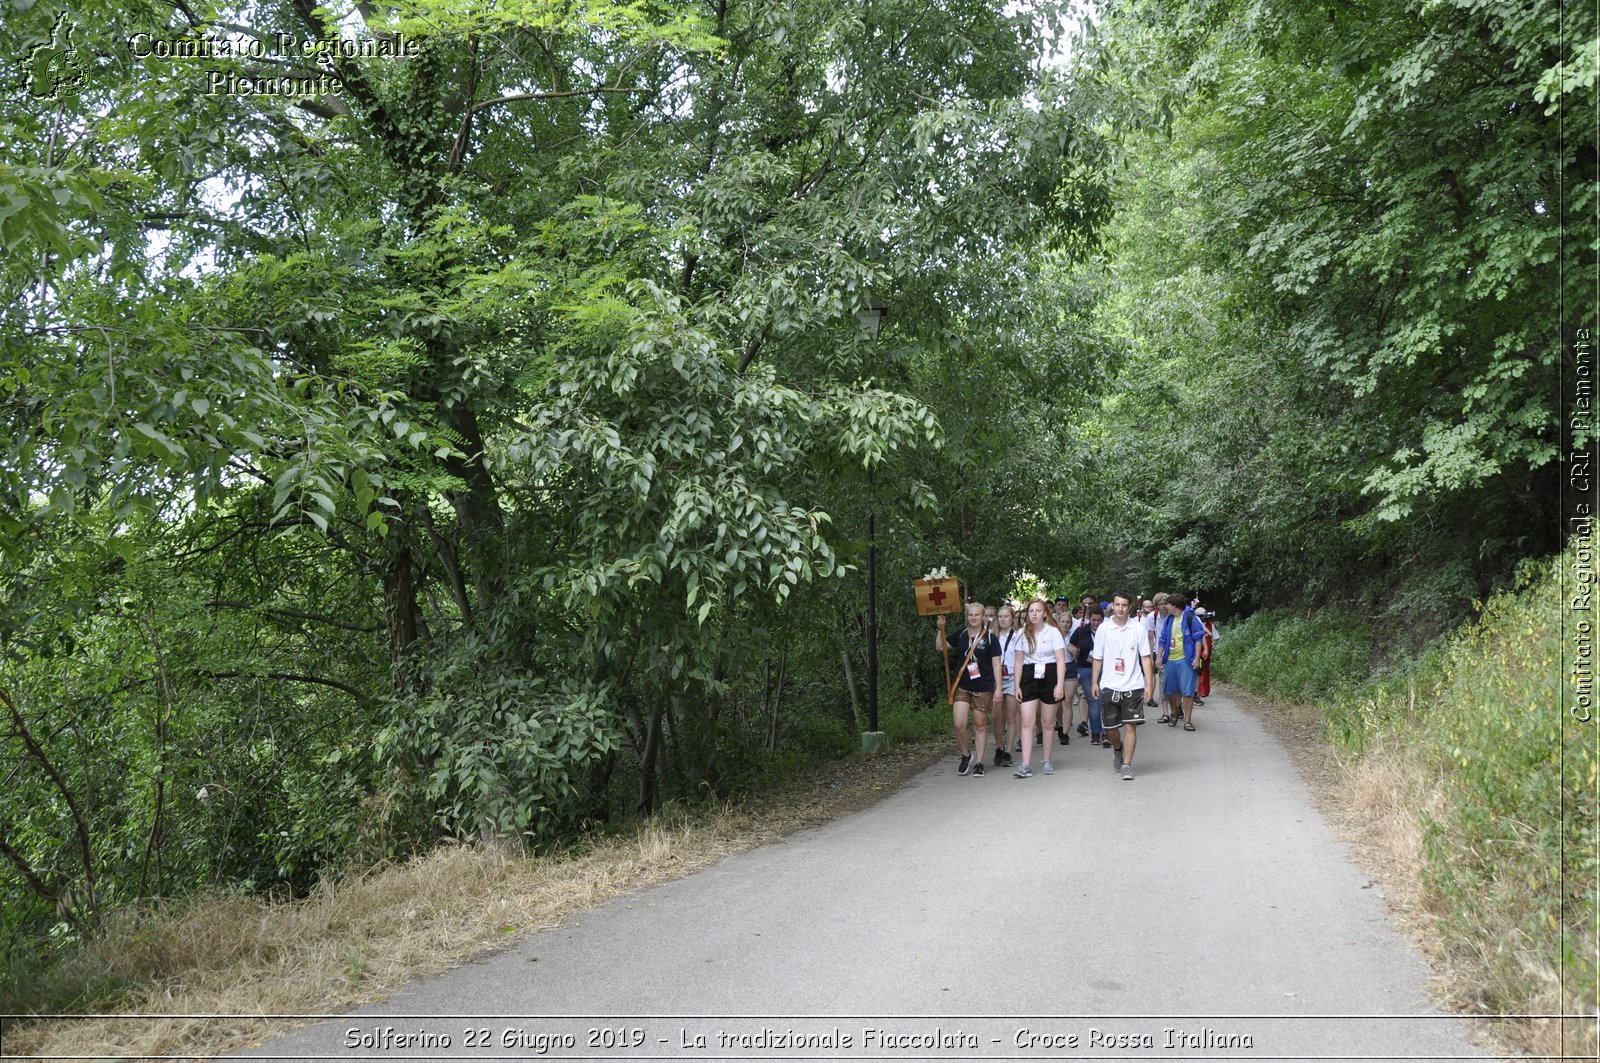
(950,684)
(946,663)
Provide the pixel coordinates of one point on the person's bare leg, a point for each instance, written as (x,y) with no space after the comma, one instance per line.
(958,715)
(1029,710)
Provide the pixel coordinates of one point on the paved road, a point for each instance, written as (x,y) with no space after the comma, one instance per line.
(1202,910)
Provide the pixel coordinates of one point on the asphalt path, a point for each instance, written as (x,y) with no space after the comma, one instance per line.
(1203,910)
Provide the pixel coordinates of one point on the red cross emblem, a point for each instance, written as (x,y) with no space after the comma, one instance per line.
(935,596)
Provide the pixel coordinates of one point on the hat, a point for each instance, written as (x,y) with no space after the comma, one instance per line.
(1200,612)
(1063,599)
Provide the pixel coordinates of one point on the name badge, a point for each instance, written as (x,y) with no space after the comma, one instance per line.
(972,670)
(1038,669)
(1118,669)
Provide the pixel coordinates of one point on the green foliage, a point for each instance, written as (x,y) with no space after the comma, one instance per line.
(1336,270)
(488,443)
(499,751)
(1295,657)
(904,720)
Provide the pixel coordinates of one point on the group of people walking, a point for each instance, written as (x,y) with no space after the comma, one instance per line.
(1023,667)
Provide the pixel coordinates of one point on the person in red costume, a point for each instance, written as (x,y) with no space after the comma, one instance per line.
(1208,620)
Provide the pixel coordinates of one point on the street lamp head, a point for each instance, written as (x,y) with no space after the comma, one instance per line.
(870,317)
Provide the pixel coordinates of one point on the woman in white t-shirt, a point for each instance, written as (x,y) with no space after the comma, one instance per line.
(1040,663)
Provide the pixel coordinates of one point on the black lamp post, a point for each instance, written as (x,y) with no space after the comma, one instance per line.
(869,318)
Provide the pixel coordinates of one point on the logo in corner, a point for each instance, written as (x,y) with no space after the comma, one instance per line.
(55,64)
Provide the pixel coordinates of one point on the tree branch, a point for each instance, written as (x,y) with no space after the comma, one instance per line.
(325,107)
(292,677)
(754,348)
(37,883)
(458,150)
(516,96)
(297,614)
(80,826)
(449,558)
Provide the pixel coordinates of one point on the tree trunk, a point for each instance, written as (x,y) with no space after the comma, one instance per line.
(477,508)
(777,701)
(649,784)
(400,606)
(850,679)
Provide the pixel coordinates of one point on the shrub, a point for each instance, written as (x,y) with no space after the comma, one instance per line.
(1294,657)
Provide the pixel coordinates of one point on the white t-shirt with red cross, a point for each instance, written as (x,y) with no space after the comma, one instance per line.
(1118,650)
(1046,641)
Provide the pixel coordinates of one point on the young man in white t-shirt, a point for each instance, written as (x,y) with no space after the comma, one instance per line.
(1123,679)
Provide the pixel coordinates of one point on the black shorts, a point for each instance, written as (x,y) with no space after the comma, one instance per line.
(1041,689)
(1118,707)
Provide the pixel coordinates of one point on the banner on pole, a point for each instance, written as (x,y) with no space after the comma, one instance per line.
(935,596)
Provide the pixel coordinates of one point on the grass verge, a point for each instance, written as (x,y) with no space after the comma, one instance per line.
(1469,786)
(354,941)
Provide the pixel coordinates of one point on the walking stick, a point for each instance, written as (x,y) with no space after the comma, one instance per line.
(947,683)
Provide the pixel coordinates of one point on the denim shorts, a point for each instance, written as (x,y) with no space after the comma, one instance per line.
(1180,679)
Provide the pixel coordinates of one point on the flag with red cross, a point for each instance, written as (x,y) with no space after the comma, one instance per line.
(935,596)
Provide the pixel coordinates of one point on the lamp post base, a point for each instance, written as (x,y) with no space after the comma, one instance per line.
(874,741)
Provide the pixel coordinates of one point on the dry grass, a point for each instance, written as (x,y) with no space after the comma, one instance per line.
(1375,800)
(355,941)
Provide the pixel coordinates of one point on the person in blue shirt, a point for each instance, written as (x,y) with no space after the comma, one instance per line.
(1180,646)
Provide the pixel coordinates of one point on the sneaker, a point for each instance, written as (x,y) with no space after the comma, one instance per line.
(977,770)
(965,765)
(1048,768)
(1018,747)
(1023,772)
(1106,742)
(1116,759)
(1083,729)
(1150,704)
(1002,759)
(1127,773)
(1199,701)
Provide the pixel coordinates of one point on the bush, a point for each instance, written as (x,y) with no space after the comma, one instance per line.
(1293,657)
(903,719)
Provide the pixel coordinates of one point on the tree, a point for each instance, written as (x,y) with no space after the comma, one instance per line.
(463,423)
(1362,211)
